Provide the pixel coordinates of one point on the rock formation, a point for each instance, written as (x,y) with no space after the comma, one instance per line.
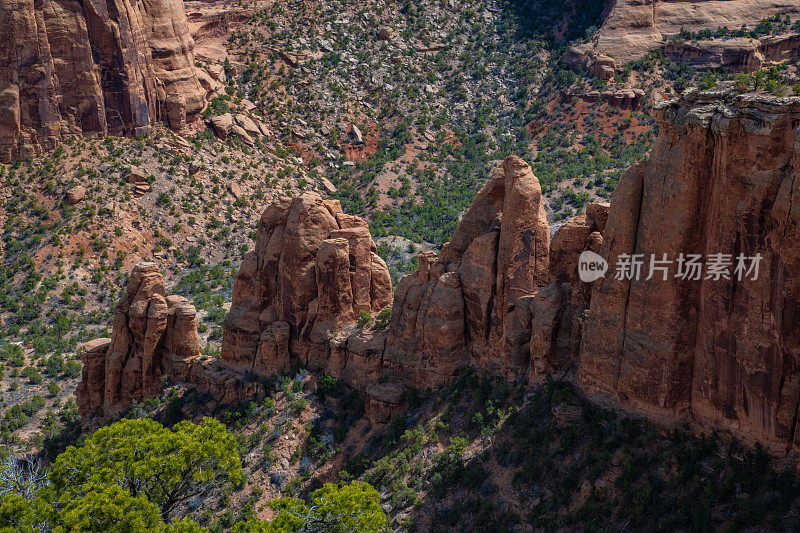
(632,28)
(154,336)
(551,322)
(105,67)
(721,351)
(454,310)
(313,273)
(723,178)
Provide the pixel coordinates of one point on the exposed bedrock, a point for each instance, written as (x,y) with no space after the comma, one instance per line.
(722,179)
(93,66)
(154,339)
(313,273)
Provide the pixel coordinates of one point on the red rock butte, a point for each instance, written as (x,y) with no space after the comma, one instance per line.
(502,297)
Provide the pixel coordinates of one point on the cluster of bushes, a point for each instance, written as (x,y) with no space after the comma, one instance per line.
(766,27)
(134,476)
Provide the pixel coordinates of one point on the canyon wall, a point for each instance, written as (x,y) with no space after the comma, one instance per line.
(93,66)
(633,28)
(723,178)
(719,351)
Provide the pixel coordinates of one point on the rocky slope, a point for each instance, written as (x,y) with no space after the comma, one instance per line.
(112,66)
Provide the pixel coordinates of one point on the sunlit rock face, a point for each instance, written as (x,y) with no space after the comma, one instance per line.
(93,66)
(723,178)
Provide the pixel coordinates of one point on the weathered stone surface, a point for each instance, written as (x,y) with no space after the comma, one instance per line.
(364,353)
(355,134)
(385,33)
(75,195)
(383,399)
(153,336)
(633,28)
(248,125)
(598,214)
(721,352)
(136,175)
(107,67)
(272,355)
(314,270)
(454,310)
(92,385)
(227,386)
(567,244)
(222,125)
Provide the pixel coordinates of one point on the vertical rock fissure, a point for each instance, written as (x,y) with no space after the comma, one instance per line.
(700,221)
(492,294)
(624,322)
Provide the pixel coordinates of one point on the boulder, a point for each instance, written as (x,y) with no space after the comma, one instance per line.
(327,185)
(217,72)
(210,85)
(385,33)
(247,124)
(355,134)
(222,124)
(240,133)
(235,189)
(136,175)
(75,195)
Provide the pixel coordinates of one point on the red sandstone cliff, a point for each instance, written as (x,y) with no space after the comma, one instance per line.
(724,177)
(92,66)
(457,309)
(313,272)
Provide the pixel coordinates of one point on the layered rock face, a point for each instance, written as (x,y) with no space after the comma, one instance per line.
(456,309)
(154,336)
(632,28)
(93,66)
(723,178)
(313,273)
